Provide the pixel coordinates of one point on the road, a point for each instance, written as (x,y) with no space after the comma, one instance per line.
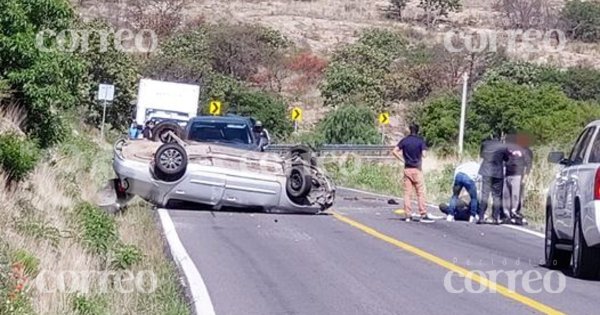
(363,259)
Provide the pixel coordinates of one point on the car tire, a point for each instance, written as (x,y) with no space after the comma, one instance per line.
(304,152)
(555,258)
(586,260)
(299,182)
(170,162)
(161,132)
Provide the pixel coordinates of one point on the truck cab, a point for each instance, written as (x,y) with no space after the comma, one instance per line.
(573,207)
(231,130)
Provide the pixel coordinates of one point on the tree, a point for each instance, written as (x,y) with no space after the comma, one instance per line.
(45,80)
(504,107)
(435,9)
(349,124)
(527,14)
(356,73)
(398,7)
(109,65)
(582,19)
(269,109)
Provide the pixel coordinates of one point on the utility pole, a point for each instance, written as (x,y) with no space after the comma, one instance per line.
(463,111)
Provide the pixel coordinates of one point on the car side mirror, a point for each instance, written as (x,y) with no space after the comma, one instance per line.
(556,158)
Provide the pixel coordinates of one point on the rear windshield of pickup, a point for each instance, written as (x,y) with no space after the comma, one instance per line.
(220,132)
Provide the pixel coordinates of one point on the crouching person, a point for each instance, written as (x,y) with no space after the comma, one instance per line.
(465,176)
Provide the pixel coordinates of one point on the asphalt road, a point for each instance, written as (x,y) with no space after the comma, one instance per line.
(363,259)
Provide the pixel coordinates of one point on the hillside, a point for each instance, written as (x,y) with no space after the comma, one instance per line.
(322,26)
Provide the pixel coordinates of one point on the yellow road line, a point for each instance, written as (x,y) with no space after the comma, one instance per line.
(450,266)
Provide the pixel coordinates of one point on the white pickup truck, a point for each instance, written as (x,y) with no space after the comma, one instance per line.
(573,207)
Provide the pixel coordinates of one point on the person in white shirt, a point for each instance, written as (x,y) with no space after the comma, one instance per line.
(465,176)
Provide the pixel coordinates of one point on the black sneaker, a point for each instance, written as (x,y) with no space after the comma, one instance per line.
(426,219)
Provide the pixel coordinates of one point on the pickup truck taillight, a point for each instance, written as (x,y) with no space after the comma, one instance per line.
(597,185)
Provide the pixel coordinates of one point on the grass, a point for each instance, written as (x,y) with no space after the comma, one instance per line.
(386,178)
(49,224)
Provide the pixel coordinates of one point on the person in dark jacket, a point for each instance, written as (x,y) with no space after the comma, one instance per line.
(462,212)
(516,166)
(494,154)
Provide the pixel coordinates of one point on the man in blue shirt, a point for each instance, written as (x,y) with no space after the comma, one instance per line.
(411,150)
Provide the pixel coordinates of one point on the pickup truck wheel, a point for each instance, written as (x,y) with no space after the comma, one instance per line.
(161,132)
(303,152)
(299,183)
(170,162)
(586,260)
(555,258)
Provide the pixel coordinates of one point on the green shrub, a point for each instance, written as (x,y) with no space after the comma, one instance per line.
(45,81)
(350,124)
(580,83)
(18,156)
(357,72)
(582,19)
(504,107)
(29,262)
(109,65)
(126,256)
(269,109)
(94,305)
(98,229)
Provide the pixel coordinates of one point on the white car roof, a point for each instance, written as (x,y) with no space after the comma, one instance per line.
(595,123)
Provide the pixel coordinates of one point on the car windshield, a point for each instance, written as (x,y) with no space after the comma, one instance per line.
(220,132)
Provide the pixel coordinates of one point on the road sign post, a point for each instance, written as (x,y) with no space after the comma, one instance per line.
(384,119)
(106,93)
(296,117)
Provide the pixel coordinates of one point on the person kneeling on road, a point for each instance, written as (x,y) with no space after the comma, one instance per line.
(465,176)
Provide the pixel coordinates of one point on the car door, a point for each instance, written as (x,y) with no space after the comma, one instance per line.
(570,176)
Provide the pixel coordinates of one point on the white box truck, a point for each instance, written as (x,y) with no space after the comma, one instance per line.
(168,105)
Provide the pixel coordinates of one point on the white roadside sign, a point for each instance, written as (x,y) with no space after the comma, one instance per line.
(106,92)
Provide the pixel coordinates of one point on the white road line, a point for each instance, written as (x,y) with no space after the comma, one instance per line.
(200,299)
(514,227)
(525,230)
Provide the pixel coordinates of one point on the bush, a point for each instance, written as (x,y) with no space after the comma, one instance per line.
(577,82)
(505,107)
(18,156)
(93,305)
(356,73)
(46,81)
(126,256)
(98,229)
(350,124)
(109,65)
(582,20)
(269,109)
(580,83)
(522,73)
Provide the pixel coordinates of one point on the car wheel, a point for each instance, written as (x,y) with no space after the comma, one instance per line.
(299,182)
(586,260)
(555,258)
(161,132)
(170,162)
(303,152)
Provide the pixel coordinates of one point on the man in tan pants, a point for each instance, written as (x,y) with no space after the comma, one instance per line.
(411,150)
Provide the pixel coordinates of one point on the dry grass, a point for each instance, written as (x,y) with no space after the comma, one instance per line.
(37,216)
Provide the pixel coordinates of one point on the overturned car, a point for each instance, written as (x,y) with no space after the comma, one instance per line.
(220,176)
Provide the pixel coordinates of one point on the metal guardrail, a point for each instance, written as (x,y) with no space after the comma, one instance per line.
(340,149)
